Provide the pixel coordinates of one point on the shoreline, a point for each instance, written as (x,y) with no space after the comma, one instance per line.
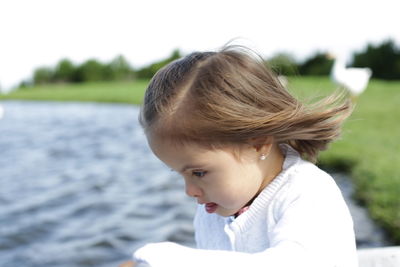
(367,151)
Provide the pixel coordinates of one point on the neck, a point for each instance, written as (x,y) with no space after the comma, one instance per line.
(273,166)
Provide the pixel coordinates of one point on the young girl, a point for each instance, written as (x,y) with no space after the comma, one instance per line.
(245,146)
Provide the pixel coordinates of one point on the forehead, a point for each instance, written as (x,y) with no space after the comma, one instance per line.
(174,153)
(166,147)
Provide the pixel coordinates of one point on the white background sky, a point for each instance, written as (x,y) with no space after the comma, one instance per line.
(37,33)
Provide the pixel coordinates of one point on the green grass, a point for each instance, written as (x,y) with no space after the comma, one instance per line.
(368,149)
(115,92)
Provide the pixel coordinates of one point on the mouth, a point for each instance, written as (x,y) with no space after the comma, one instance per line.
(211,207)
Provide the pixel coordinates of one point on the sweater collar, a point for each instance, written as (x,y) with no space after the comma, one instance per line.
(246,218)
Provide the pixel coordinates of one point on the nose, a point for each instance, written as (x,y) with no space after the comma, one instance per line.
(192,190)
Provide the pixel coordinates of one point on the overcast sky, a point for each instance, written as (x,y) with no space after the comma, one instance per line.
(41,32)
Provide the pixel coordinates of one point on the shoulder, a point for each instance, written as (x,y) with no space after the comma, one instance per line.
(311,179)
(307,175)
(303,175)
(309,185)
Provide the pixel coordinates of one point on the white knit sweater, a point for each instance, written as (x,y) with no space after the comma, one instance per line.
(299,219)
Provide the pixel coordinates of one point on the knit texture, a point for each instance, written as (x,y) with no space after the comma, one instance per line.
(299,219)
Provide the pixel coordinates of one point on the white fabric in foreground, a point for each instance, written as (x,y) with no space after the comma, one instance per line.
(299,219)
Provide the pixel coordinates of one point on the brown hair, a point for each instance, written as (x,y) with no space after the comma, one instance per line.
(230,97)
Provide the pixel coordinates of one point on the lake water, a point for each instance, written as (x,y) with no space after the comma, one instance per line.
(80,187)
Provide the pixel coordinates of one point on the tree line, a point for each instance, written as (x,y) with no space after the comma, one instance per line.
(383,59)
(65,71)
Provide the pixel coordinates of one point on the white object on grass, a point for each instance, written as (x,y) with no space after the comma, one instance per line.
(355,80)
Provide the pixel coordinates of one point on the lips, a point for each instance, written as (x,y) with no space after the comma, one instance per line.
(211,207)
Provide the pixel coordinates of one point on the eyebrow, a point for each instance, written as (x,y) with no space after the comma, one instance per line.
(186,167)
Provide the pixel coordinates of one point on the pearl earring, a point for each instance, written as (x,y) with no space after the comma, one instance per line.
(263,156)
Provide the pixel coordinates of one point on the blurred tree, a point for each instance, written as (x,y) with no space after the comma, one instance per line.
(149,71)
(43,75)
(383,59)
(318,64)
(119,69)
(283,64)
(24,84)
(89,71)
(64,71)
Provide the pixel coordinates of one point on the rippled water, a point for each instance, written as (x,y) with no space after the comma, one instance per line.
(79,187)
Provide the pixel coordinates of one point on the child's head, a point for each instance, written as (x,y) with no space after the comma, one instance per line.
(216,177)
(218,99)
(229,101)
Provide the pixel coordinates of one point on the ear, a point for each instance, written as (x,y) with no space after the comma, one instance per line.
(262,144)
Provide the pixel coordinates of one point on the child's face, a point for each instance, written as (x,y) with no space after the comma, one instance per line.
(215,178)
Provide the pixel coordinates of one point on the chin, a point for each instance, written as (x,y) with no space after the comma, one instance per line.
(225,213)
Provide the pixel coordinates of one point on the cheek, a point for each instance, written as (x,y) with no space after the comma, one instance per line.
(248,181)
(234,189)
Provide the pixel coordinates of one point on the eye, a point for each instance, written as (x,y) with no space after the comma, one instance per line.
(199,173)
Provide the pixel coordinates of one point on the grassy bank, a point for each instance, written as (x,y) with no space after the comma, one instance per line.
(368,150)
(115,92)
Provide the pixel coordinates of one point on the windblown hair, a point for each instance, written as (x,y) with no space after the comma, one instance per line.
(230,97)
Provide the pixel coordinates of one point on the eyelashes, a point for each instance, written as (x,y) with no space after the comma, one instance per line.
(199,173)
